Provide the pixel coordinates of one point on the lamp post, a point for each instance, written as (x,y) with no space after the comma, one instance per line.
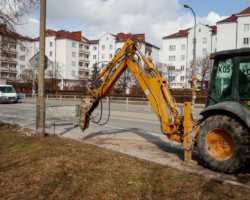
(194,58)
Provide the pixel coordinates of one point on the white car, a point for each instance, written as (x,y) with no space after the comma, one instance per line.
(8,94)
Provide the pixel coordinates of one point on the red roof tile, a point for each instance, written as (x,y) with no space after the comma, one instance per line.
(234,16)
(64,34)
(229,19)
(214,28)
(4,31)
(181,33)
(126,36)
(245,12)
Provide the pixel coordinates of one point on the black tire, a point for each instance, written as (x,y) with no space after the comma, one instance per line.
(237,141)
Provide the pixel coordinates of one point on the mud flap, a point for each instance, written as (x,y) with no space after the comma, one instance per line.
(87,107)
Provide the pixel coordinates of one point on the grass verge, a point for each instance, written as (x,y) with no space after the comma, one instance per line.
(59,168)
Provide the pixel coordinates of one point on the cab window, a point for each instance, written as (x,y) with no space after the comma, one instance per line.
(244,79)
(221,87)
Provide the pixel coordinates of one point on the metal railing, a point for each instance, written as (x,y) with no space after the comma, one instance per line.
(125,102)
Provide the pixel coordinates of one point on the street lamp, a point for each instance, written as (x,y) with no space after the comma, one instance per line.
(194,57)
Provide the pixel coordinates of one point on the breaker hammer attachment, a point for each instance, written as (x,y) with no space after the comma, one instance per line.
(87,107)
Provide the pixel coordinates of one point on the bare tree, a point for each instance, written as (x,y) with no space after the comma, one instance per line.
(54,72)
(11,12)
(124,81)
(204,69)
(168,70)
(26,76)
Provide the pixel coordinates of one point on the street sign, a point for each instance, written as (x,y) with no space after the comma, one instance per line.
(34,61)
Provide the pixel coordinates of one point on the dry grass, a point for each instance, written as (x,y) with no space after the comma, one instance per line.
(57,168)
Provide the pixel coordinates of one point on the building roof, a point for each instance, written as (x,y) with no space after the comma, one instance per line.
(234,16)
(11,34)
(126,36)
(64,34)
(184,33)
(181,33)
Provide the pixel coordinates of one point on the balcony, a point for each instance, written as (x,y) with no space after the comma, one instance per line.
(4,69)
(83,60)
(85,69)
(85,51)
(13,70)
(8,60)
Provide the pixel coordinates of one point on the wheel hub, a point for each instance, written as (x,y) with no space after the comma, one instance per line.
(220,144)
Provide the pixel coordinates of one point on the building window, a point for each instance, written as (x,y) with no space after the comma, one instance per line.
(73,73)
(246,27)
(171,78)
(50,44)
(246,41)
(182,78)
(110,56)
(182,57)
(204,40)
(204,51)
(22,58)
(73,54)
(22,67)
(171,47)
(50,53)
(73,63)
(94,48)
(103,56)
(171,58)
(183,47)
(103,47)
(107,38)
(94,57)
(182,68)
(74,44)
(22,48)
(110,47)
(199,30)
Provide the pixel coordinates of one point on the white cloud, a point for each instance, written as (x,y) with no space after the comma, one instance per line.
(155,18)
(33,20)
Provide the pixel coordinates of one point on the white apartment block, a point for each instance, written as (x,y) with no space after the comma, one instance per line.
(70,56)
(15,54)
(103,50)
(230,33)
(178,52)
(234,31)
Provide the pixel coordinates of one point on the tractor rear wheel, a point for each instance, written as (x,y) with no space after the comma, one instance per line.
(223,144)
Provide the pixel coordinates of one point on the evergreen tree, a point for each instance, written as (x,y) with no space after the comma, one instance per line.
(93,81)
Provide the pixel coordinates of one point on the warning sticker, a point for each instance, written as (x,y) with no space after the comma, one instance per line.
(147,92)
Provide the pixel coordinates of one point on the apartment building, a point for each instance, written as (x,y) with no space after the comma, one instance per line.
(178,52)
(234,31)
(69,55)
(15,54)
(103,50)
(230,33)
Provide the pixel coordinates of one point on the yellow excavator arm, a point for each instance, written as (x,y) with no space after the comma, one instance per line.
(154,87)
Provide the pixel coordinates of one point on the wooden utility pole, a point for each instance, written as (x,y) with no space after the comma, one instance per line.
(40,104)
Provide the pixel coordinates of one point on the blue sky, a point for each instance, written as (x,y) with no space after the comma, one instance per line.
(155,18)
(222,7)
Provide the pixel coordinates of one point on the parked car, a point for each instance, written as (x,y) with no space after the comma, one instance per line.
(8,94)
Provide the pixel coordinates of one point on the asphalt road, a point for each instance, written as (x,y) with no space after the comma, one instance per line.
(121,117)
